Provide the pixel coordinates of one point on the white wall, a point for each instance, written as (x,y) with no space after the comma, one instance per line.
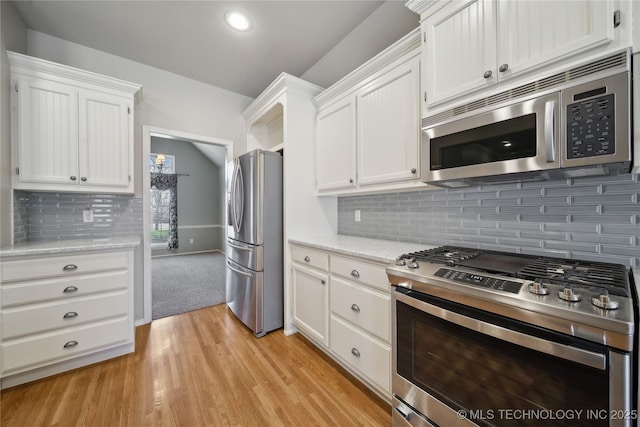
(169,101)
(390,22)
(13,36)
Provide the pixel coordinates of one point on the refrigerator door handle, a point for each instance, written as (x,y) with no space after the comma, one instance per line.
(240,189)
(242,248)
(232,196)
(232,268)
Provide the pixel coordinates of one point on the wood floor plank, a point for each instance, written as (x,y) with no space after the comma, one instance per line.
(202,368)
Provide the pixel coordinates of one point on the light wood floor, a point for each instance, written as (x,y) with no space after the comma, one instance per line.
(202,368)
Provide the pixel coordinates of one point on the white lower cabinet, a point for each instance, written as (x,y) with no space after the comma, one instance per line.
(343,304)
(64,311)
(311,292)
(368,356)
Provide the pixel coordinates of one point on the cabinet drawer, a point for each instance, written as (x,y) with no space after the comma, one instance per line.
(38,318)
(61,266)
(42,290)
(310,257)
(360,271)
(369,356)
(51,347)
(366,308)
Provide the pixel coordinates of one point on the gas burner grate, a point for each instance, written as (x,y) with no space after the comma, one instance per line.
(449,255)
(612,277)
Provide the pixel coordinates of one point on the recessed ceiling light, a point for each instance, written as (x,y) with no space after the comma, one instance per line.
(237,21)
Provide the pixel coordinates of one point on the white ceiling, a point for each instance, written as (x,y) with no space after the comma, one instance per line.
(190,38)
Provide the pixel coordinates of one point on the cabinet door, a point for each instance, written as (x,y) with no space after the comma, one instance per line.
(389,126)
(104,143)
(535,33)
(336,146)
(310,302)
(460,49)
(47,132)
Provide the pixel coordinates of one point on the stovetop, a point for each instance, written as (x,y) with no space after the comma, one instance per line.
(582,297)
(610,278)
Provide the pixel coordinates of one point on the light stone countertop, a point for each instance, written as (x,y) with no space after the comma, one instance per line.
(384,251)
(52,247)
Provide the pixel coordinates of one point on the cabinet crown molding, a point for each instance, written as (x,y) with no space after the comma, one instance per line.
(406,45)
(31,66)
(284,83)
(421,7)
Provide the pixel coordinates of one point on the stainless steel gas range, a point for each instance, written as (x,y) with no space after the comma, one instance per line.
(500,339)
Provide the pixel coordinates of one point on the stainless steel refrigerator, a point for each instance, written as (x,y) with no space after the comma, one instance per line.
(254,241)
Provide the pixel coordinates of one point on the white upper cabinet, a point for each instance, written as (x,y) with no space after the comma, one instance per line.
(388,126)
(336,154)
(474,44)
(104,145)
(73,130)
(46,123)
(460,55)
(368,125)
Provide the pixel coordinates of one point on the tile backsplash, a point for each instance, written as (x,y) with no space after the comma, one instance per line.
(596,219)
(59,216)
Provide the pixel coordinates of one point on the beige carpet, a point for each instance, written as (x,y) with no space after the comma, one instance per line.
(184,283)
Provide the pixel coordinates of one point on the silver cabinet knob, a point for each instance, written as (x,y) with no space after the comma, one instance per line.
(414,170)
(354,273)
(351,181)
(84,178)
(355,352)
(355,308)
(487,74)
(73,178)
(323,281)
(503,68)
(307,259)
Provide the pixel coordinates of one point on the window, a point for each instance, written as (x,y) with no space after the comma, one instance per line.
(161,198)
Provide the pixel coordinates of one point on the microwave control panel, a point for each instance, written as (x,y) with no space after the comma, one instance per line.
(591,127)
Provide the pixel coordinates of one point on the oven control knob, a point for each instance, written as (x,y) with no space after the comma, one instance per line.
(538,288)
(567,294)
(412,263)
(603,301)
(400,261)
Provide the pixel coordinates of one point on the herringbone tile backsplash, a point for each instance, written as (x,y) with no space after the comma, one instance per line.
(58,216)
(596,219)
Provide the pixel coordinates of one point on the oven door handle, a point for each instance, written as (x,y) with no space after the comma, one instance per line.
(583,357)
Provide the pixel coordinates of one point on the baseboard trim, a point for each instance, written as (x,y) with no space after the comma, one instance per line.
(188,253)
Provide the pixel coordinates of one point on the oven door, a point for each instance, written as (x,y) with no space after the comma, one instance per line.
(521,138)
(458,366)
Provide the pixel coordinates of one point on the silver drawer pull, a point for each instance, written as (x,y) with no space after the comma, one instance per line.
(69,344)
(355,274)
(323,281)
(307,259)
(355,308)
(69,267)
(70,289)
(355,352)
(70,315)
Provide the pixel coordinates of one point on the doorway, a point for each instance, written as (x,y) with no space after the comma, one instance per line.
(197,232)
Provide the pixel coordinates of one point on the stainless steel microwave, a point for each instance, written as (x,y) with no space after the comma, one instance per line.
(581,130)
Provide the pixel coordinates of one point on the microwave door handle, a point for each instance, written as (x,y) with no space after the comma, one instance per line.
(549,130)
